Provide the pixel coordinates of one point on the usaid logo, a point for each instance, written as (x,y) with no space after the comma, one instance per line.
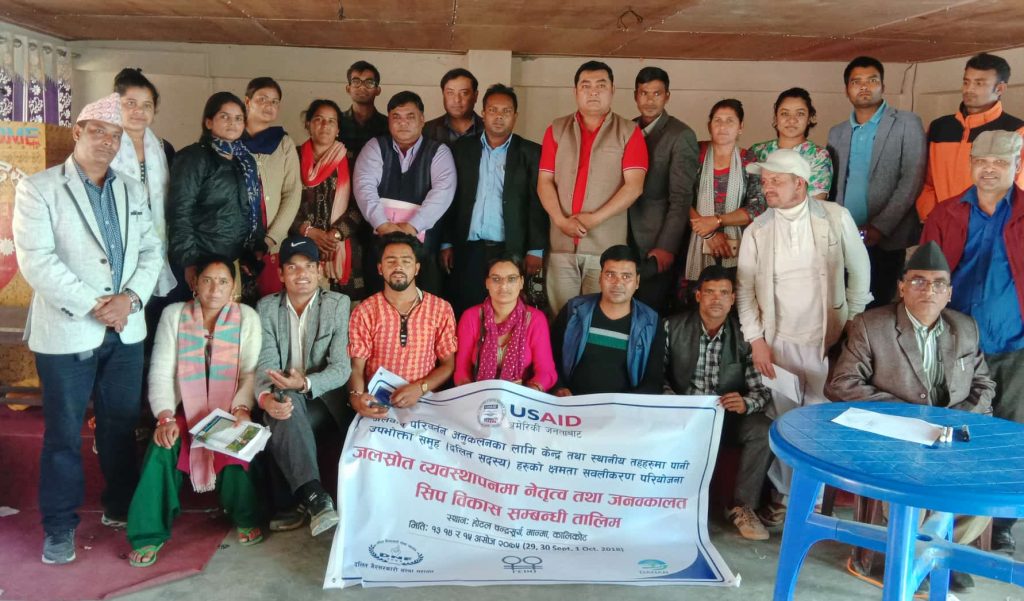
(556,419)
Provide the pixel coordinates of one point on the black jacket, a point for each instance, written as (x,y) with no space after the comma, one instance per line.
(207,207)
(526,223)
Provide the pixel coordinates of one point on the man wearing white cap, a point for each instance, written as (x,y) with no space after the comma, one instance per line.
(85,243)
(803,272)
(981,234)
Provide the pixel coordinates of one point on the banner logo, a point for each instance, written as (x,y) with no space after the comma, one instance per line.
(491,413)
(396,552)
(523,565)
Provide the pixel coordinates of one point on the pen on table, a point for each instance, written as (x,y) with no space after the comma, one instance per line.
(965,433)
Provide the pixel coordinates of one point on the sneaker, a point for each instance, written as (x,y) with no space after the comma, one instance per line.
(323,517)
(112,521)
(772,515)
(288,519)
(746,522)
(59,548)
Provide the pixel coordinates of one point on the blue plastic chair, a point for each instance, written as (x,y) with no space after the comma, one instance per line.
(984,476)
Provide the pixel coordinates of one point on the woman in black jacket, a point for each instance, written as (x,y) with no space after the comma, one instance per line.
(215,199)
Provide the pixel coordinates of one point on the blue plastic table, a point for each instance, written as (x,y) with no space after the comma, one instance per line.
(982,477)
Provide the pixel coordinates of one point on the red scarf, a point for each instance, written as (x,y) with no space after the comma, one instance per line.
(338,265)
(513,364)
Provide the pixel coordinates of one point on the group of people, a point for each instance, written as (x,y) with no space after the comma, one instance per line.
(385,240)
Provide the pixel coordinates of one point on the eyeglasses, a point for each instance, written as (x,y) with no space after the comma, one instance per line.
(493,110)
(366,83)
(497,280)
(923,285)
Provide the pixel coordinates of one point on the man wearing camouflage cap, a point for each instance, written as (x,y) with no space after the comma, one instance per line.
(981,234)
(85,243)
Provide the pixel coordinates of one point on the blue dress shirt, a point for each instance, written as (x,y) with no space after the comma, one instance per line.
(858,171)
(105,211)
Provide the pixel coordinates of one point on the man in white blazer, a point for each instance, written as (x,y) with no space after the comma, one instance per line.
(85,243)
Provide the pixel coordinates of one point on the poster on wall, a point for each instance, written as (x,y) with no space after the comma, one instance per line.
(494,483)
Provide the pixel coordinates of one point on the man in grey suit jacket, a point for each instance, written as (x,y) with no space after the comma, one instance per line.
(880,156)
(658,220)
(919,352)
(916,351)
(85,243)
(303,365)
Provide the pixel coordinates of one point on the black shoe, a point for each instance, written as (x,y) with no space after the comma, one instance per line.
(59,547)
(960,582)
(322,516)
(288,519)
(1002,541)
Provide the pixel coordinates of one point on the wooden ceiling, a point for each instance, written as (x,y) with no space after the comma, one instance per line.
(891,30)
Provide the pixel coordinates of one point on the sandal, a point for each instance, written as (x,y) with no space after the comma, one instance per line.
(250,536)
(137,558)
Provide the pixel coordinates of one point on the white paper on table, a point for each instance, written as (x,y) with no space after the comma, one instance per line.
(785,383)
(909,429)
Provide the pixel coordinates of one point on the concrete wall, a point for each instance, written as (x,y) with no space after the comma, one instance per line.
(187,73)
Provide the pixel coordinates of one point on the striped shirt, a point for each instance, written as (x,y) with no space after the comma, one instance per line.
(375,335)
(105,211)
(928,344)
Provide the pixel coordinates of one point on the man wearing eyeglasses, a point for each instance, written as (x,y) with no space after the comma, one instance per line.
(302,368)
(496,210)
(610,342)
(403,329)
(981,233)
(361,121)
(915,351)
(918,351)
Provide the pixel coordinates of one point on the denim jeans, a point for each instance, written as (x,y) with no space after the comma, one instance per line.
(112,376)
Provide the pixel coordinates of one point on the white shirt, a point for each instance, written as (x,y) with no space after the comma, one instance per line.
(797,293)
(298,329)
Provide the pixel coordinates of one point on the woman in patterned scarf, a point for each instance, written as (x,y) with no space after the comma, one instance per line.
(204,358)
(726,200)
(794,116)
(327,213)
(215,204)
(503,338)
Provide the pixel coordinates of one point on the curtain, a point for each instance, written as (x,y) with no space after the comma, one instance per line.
(35,80)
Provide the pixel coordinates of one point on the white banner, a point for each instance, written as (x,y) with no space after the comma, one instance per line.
(495,483)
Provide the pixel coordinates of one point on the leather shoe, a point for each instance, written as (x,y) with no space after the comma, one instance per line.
(960,582)
(1002,540)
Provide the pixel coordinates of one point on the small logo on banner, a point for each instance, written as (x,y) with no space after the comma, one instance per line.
(652,566)
(396,552)
(491,413)
(523,565)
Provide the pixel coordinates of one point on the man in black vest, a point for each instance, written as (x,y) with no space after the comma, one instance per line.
(496,209)
(722,365)
(404,182)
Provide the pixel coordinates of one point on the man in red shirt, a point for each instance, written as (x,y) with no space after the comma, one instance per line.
(403,329)
(592,168)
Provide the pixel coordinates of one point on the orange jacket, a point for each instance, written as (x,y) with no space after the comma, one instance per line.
(949,153)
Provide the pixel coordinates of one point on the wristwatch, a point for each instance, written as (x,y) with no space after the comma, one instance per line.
(136,301)
(423,387)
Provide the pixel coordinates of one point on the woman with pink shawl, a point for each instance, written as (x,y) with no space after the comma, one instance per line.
(204,358)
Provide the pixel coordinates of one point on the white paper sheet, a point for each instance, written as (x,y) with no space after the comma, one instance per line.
(901,428)
(785,383)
